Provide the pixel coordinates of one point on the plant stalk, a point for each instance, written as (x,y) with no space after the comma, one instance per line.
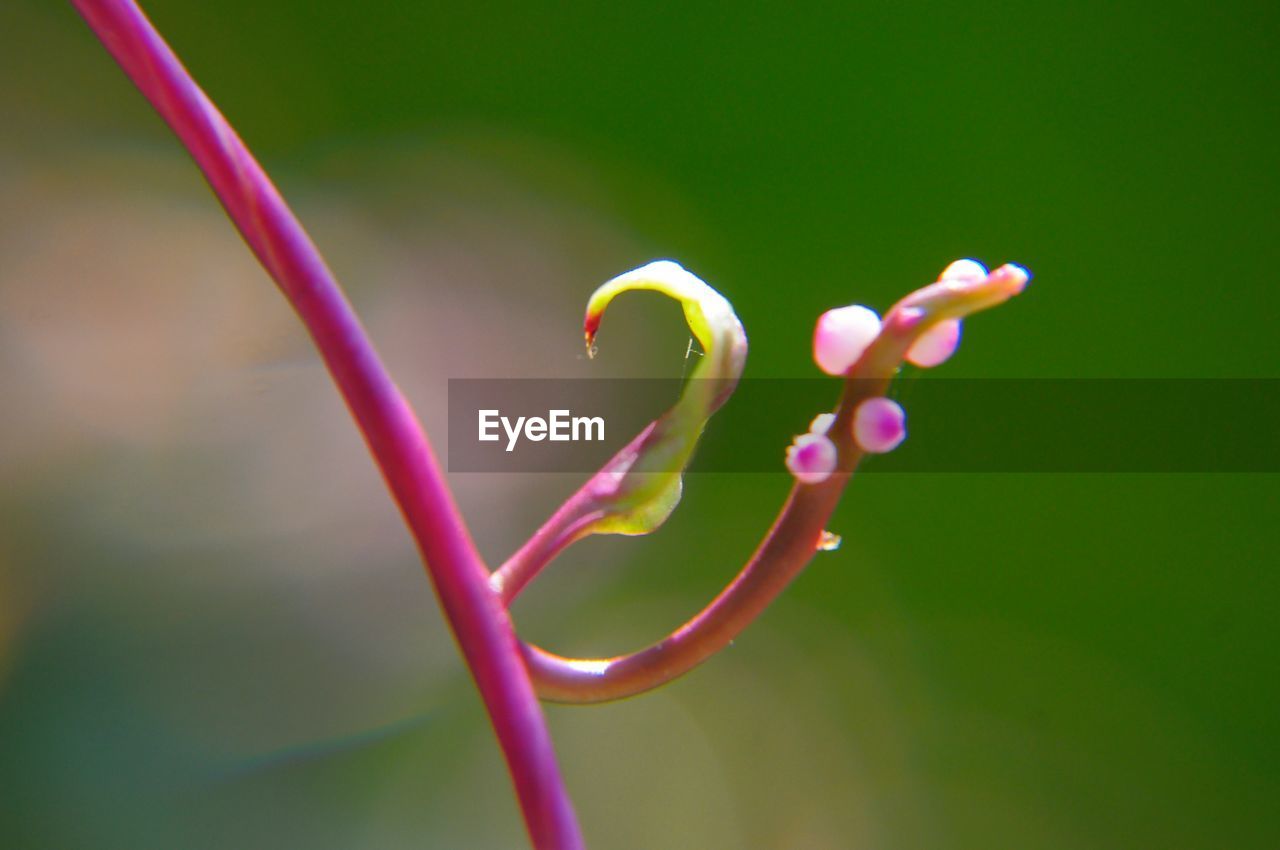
(399,445)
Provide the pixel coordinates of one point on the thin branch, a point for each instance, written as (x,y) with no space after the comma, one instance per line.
(539,550)
(390,428)
(787,549)
(570,523)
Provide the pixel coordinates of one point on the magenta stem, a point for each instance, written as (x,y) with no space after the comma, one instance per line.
(476,614)
(790,543)
(785,551)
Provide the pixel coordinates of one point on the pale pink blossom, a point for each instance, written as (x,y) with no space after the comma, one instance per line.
(879,425)
(811,458)
(935,345)
(842,335)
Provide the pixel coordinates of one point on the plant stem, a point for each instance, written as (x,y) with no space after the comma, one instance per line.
(556,535)
(401,449)
(790,543)
(786,550)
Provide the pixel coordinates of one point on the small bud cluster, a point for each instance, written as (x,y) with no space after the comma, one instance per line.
(939,342)
(839,340)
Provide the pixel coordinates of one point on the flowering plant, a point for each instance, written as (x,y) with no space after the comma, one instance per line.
(633,493)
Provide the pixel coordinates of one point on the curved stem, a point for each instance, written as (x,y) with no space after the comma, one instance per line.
(564,528)
(787,548)
(570,523)
(395,438)
(792,541)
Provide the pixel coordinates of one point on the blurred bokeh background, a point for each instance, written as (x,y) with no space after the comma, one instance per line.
(214,631)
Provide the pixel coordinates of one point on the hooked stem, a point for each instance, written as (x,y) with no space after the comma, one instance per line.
(796,534)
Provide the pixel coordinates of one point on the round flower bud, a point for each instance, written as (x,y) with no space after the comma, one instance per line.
(966,271)
(811,458)
(822,423)
(842,335)
(879,425)
(936,344)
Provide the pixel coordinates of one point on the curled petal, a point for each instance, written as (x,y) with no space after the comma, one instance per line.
(637,490)
(639,487)
(709,314)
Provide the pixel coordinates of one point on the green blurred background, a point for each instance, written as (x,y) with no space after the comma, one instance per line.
(214,631)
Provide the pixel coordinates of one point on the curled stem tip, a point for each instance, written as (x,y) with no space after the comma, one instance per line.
(639,487)
(821,460)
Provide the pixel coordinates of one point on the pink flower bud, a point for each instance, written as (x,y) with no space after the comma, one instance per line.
(966,271)
(936,344)
(811,458)
(822,423)
(879,425)
(842,335)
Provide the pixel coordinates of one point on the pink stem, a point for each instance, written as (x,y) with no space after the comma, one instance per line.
(569,524)
(790,543)
(395,438)
(786,550)
(540,549)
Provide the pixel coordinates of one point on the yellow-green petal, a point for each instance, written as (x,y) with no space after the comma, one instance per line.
(640,487)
